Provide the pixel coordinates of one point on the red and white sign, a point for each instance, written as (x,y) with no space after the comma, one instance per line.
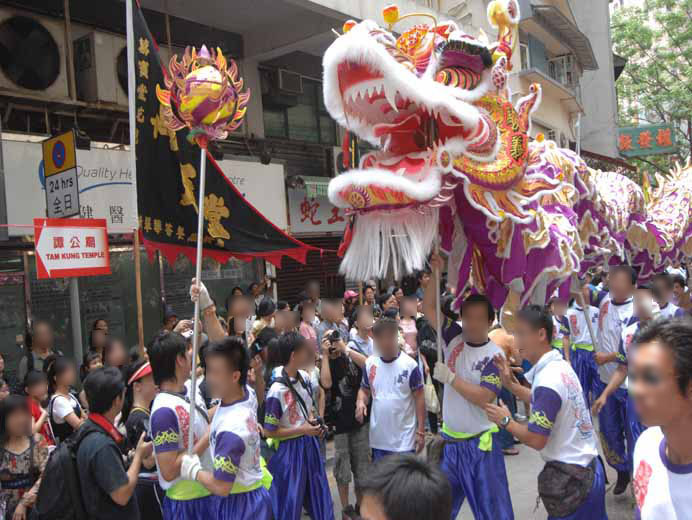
(71,247)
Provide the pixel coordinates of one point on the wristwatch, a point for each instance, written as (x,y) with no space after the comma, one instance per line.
(505,422)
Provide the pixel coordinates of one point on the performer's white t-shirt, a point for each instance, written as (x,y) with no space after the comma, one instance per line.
(558,410)
(393,415)
(663,490)
(578,328)
(169,426)
(671,311)
(474,364)
(235,442)
(282,409)
(612,318)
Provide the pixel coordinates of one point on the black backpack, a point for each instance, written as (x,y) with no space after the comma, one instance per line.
(60,494)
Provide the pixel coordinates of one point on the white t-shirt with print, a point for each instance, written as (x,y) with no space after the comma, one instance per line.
(392,384)
(612,318)
(282,409)
(169,425)
(559,411)
(663,490)
(64,406)
(234,441)
(473,364)
(670,311)
(578,328)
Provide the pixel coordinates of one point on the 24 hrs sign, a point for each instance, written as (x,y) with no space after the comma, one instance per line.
(60,167)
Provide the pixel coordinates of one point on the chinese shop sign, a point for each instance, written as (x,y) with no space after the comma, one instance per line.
(638,141)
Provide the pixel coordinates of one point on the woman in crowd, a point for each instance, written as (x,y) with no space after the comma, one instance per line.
(115,354)
(64,410)
(36,388)
(23,457)
(39,347)
(139,394)
(306,310)
(98,336)
(265,315)
(388,301)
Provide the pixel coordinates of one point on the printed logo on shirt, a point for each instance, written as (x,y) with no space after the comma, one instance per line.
(481,364)
(371,379)
(603,314)
(576,397)
(292,408)
(166,437)
(641,482)
(225,464)
(573,325)
(456,352)
(184,420)
(402,377)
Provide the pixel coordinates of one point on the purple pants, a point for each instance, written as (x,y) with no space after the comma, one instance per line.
(586,370)
(614,433)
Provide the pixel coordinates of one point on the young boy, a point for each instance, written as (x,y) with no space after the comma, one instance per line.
(402,487)
(661,387)
(238,476)
(560,426)
(583,346)
(36,387)
(297,468)
(393,380)
(663,285)
(170,357)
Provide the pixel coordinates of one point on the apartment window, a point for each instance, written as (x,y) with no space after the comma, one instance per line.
(307,121)
(525,56)
(550,134)
(562,70)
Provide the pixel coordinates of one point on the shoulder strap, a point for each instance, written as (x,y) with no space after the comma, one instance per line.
(201,410)
(285,379)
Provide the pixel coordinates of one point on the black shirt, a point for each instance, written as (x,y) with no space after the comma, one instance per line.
(341,403)
(102,471)
(135,424)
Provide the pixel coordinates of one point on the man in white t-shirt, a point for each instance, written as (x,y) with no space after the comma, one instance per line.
(660,379)
(582,346)
(616,309)
(663,286)
(170,357)
(560,426)
(237,477)
(394,382)
(472,458)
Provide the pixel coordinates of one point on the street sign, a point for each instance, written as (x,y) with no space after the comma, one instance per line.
(71,247)
(638,141)
(60,169)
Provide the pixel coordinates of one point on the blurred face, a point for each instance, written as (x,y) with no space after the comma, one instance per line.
(304,356)
(530,342)
(559,308)
(308,314)
(654,387)
(68,377)
(98,339)
(18,423)
(43,335)
(39,391)
(117,355)
(365,322)
(387,342)
(665,294)
(369,295)
(390,302)
(313,290)
(620,284)
(221,377)
(371,509)
(146,388)
(283,320)
(408,308)
(643,304)
(474,321)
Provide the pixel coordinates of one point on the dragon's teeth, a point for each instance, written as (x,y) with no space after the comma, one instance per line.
(390,95)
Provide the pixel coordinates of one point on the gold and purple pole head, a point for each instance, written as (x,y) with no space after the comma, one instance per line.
(204,94)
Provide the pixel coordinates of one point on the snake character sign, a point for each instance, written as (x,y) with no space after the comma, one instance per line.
(455,163)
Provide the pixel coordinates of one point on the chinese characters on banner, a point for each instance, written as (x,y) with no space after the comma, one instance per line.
(646,140)
(71,247)
(314,214)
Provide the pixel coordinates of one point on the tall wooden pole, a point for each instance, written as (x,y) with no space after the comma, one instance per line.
(138,294)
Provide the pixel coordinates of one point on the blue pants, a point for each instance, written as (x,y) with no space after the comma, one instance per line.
(479,476)
(253,505)
(300,481)
(594,507)
(206,507)
(634,430)
(586,370)
(380,454)
(615,441)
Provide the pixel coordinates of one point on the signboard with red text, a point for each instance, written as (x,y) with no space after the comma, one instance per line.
(71,247)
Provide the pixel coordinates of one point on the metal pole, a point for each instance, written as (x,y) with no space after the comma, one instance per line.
(198,276)
(438,306)
(138,293)
(578,147)
(585,310)
(76,317)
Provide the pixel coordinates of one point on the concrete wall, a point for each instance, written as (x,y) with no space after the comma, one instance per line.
(599,123)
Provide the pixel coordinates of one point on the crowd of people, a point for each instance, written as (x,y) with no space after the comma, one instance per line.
(414,436)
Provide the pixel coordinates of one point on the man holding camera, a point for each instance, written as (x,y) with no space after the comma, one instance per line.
(341,376)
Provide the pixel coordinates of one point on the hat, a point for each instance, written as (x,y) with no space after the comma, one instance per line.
(169,313)
(350,294)
(141,372)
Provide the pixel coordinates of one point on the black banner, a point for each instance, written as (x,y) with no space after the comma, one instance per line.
(168,183)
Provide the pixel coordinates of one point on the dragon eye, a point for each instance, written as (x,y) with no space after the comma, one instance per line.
(458,77)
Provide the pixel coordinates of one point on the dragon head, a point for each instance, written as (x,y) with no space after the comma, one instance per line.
(434,103)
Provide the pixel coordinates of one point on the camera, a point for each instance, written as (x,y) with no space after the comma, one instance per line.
(318,421)
(335,336)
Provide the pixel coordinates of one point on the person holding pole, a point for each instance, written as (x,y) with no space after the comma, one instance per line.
(583,345)
(471,460)
(171,362)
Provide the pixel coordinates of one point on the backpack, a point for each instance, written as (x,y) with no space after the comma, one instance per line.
(60,495)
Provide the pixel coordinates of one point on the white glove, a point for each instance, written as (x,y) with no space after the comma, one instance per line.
(202,293)
(443,374)
(189,467)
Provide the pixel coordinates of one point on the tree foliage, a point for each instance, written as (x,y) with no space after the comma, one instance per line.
(656,85)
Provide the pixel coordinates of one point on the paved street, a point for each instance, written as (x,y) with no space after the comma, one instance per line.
(522,472)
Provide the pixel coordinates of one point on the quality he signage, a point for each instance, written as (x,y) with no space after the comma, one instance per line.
(71,247)
(60,162)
